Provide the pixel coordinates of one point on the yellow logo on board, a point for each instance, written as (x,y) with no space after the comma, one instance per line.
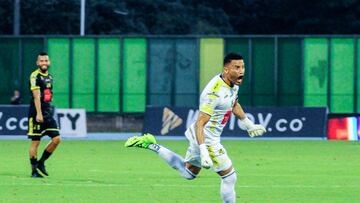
(169,121)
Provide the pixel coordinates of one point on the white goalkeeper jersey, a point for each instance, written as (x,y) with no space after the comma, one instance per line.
(216,100)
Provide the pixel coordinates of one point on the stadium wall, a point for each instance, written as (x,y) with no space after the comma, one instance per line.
(123,74)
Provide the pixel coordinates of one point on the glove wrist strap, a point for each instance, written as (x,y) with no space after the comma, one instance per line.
(247,123)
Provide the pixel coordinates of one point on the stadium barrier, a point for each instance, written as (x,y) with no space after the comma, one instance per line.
(114,122)
(14,121)
(279,122)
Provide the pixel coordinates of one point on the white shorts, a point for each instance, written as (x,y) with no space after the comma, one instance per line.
(217,152)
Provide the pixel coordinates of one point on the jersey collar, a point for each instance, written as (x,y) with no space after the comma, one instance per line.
(222,79)
(43,74)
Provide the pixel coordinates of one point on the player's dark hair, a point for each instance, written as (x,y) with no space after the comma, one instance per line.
(43,53)
(232,56)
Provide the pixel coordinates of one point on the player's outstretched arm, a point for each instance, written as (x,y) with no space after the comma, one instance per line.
(203,118)
(252,129)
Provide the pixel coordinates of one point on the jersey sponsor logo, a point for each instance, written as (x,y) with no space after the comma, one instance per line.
(47,95)
(169,121)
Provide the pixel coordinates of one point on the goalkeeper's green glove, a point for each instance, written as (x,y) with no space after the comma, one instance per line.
(206,161)
(253,130)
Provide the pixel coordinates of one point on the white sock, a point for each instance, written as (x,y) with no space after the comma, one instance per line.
(227,188)
(173,160)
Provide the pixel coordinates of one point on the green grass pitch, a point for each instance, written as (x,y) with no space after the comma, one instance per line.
(105,171)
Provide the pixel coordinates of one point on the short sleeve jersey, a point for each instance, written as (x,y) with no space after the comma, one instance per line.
(217,100)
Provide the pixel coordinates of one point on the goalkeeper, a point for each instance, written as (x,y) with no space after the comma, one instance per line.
(217,101)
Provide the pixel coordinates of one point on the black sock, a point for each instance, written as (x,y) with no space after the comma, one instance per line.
(45,156)
(33,162)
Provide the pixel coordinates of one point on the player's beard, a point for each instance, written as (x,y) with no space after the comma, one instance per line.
(44,69)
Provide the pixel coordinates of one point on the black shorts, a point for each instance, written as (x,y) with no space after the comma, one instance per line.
(36,130)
